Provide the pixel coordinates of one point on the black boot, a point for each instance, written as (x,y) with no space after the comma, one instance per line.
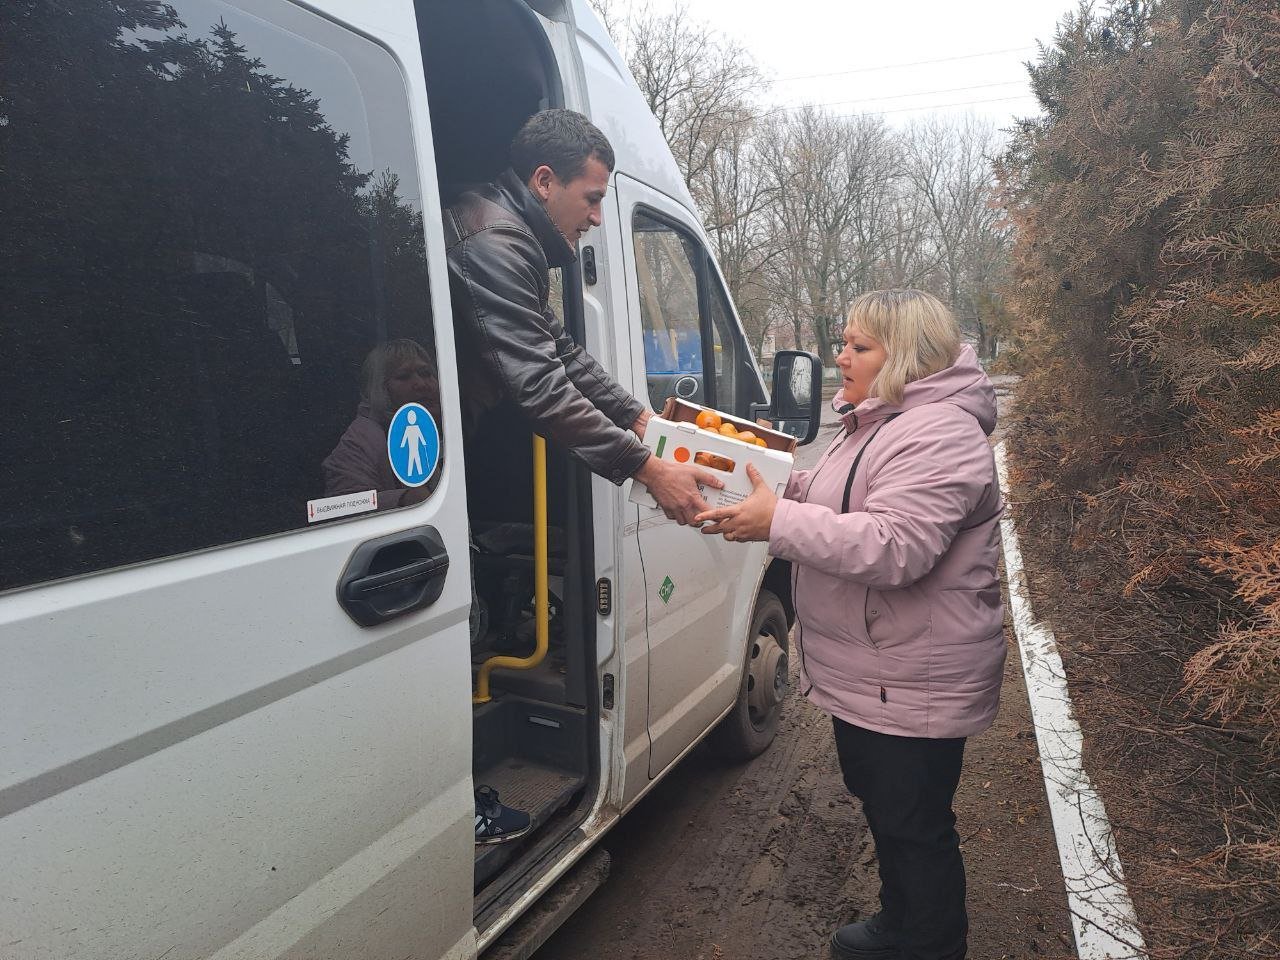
(870,939)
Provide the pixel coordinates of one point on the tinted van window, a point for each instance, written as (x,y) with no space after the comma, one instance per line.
(213,223)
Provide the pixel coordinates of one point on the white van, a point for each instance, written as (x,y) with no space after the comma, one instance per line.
(236,715)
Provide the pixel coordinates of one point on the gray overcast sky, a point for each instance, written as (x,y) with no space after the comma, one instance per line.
(800,38)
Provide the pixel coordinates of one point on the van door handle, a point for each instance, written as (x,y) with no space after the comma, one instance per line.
(393,575)
(363,587)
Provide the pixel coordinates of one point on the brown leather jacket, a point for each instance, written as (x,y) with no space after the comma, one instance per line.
(501,244)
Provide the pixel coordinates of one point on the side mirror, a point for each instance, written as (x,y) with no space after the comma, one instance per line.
(797,394)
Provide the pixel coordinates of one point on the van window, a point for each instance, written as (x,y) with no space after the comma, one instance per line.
(668,281)
(212,222)
(725,344)
(678,322)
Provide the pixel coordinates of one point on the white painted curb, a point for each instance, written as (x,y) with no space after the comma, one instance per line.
(1102,915)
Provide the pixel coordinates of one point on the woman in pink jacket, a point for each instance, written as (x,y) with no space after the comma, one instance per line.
(893,538)
(393,374)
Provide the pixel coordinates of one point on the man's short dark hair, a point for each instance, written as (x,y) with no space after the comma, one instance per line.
(563,140)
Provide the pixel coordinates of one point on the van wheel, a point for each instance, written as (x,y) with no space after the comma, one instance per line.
(753,722)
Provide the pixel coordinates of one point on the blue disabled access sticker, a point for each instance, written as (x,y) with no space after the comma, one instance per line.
(413,445)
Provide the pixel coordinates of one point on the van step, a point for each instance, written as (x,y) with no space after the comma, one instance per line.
(539,922)
(536,789)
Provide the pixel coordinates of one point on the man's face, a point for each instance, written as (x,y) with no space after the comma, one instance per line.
(574,207)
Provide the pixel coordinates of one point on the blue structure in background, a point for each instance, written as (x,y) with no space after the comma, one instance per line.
(658,358)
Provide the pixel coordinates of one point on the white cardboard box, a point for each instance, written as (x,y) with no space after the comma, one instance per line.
(674,437)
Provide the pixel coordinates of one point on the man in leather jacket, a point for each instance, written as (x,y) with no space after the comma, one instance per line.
(503,238)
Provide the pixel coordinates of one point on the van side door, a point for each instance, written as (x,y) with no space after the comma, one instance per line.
(235,694)
(701,589)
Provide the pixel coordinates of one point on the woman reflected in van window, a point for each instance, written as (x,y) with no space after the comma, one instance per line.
(393,374)
(893,541)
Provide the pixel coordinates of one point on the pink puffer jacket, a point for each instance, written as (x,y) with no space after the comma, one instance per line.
(900,621)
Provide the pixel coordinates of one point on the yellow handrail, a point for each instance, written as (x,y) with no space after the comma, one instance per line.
(541,606)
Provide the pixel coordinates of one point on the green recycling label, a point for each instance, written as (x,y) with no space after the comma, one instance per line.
(666,590)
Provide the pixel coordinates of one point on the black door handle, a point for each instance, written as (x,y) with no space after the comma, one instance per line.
(393,575)
(363,587)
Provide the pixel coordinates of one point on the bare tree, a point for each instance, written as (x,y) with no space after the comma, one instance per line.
(907,258)
(949,167)
(805,210)
(832,179)
(701,88)
(699,84)
(611,17)
(737,194)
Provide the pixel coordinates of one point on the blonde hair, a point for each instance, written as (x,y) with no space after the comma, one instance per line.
(381,362)
(919,334)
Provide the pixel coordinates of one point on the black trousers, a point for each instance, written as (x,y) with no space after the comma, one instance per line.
(906,785)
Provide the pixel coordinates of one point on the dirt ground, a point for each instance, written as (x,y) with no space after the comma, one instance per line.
(762,861)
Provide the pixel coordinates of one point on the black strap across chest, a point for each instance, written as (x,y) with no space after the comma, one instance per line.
(848,484)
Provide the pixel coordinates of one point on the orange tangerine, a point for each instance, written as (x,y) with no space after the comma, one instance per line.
(714,461)
(708,419)
(760,442)
(746,436)
(728,430)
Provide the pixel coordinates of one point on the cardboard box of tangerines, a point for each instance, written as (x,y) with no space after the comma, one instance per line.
(720,443)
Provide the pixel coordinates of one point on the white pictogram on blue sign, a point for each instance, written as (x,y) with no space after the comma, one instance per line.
(413,445)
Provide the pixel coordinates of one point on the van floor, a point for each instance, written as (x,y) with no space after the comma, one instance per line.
(537,789)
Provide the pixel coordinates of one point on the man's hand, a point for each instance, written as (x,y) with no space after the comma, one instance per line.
(641,422)
(748,520)
(675,487)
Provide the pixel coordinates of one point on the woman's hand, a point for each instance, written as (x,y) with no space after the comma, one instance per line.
(748,520)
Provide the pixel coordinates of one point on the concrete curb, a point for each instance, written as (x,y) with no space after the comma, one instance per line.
(1102,914)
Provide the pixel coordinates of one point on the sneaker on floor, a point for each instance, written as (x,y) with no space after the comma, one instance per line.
(496,823)
(869,939)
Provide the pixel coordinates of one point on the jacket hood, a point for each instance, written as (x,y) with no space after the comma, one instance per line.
(964,384)
(366,411)
(514,193)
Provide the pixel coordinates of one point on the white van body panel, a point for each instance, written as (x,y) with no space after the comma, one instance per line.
(696,635)
(622,636)
(205,756)
(694,681)
(183,694)
(619,110)
(212,731)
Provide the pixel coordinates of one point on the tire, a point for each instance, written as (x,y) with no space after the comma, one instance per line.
(749,728)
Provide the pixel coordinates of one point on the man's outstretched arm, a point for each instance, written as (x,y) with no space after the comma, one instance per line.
(495,273)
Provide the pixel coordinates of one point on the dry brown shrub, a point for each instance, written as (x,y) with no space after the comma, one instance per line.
(1146,298)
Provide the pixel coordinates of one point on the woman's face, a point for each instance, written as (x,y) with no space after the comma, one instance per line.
(860,362)
(413,381)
